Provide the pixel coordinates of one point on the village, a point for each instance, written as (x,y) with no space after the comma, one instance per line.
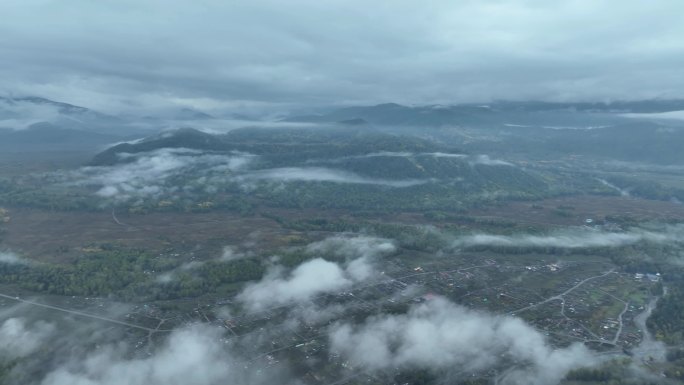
(589,302)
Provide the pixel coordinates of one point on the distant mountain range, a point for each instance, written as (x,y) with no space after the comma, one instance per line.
(532,112)
(29,124)
(39,124)
(62,107)
(47,137)
(28,110)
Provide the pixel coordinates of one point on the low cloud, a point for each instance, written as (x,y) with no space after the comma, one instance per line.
(147,174)
(310,313)
(407,155)
(153,174)
(110,145)
(442,336)
(309,279)
(322,174)
(487,161)
(11,258)
(19,338)
(353,246)
(230,253)
(579,238)
(20,114)
(318,276)
(671,115)
(315,277)
(445,155)
(222,126)
(165,277)
(75,350)
(472,159)
(193,355)
(392,154)
(359,251)
(622,192)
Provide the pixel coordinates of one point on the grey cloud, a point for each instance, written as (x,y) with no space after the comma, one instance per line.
(311,278)
(487,161)
(673,115)
(318,276)
(623,192)
(165,277)
(19,338)
(134,141)
(471,159)
(390,154)
(230,253)
(190,265)
(578,238)
(130,55)
(221,126)
(407,154)
(442,336)
(359,251)
(191,355)
(19,115)
(216,125)
(321,174)
(361,269)
(147,174)
(310,313)
(11,258)
(445,155)
(353,246)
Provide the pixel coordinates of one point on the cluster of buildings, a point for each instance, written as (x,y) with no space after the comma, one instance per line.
(647,276)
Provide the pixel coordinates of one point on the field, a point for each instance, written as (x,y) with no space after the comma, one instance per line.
(57,236)
(574,210)
(575,264)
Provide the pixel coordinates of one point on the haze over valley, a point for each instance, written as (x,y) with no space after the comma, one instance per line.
(341,193)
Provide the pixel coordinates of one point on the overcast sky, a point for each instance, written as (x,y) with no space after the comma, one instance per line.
(119,55)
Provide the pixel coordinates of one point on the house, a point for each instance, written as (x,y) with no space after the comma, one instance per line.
(653,277)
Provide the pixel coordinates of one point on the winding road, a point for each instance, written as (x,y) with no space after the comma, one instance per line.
(561,295)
